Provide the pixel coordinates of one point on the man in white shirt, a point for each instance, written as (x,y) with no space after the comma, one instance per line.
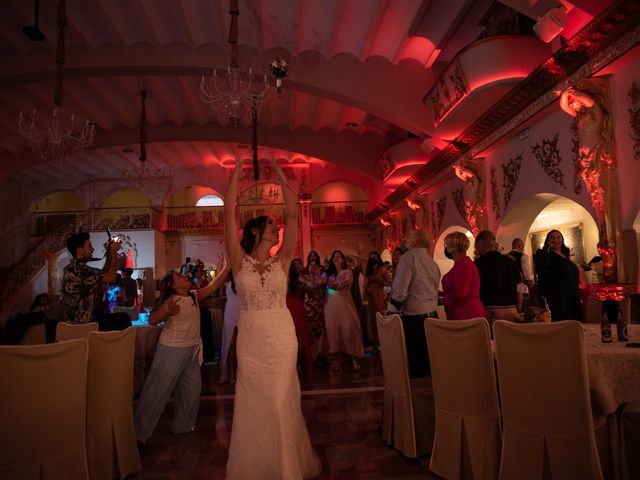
(415,294)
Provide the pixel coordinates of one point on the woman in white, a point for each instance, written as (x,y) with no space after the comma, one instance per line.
(269,439)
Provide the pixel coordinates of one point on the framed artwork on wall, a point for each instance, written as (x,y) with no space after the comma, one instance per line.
(573,239)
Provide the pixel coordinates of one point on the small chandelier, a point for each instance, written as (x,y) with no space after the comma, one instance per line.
(61,138)
(232,98)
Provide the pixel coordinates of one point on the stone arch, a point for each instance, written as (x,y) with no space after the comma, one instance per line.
(535,215)
(339,191)
(189,195)
(57,213)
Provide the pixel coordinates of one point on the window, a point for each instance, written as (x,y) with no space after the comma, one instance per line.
(210,201)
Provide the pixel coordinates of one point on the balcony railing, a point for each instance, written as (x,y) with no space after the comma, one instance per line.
(55,223)
(203,218)
(193,218)
(336,213)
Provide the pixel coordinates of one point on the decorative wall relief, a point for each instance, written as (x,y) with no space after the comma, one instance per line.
(634,117)
(510,174)
(297,177)
(495,195)
(458,201)
(437,215)
(575,158)
(386,165)
(548,157)
(471,172)
(447,91)
(590,103)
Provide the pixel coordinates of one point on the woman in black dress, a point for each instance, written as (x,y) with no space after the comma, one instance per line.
(558,278)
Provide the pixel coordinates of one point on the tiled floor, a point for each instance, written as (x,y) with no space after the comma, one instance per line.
(343,413)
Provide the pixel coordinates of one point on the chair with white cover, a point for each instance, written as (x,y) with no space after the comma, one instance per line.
(408,418)
(467,437)
(69,331)
(111,440)
(546,409)
(35,335)
(42,411)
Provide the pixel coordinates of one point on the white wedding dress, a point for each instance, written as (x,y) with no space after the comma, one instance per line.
(269,439)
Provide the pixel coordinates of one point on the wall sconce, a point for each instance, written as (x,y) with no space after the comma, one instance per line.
(384,223)
(412,205)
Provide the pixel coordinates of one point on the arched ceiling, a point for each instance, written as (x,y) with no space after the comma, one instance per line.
(358,73)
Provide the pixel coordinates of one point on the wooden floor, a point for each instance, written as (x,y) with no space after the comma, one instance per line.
(343,412)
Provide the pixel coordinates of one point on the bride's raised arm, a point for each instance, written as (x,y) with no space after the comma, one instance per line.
(230,224)
(290,236)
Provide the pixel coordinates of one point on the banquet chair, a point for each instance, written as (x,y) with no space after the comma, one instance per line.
(42,411)
(467,436)
(35,335)
(408,417)
(69,331)
(630,419)
(546,409)
(111,440)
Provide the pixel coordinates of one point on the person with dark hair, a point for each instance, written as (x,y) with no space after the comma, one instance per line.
(267,415)
(376,272)
(314,279)
(176,363)
(558,278)
(299,315)
(499,277)
(41,303)
(341,318)
(80,281)
(129,288)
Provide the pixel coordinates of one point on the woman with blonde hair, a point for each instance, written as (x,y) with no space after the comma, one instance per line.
(461,285)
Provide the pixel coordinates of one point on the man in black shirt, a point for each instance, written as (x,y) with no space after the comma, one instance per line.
(499,276)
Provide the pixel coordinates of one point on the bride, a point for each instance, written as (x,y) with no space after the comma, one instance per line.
(269,438)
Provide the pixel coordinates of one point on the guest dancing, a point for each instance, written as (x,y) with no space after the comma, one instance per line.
(178,358)
(269,438)
(376,272)
(558,278)
(299,315)
(341,318)
(314,280)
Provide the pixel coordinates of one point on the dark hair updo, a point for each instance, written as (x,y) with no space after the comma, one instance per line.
(249,239)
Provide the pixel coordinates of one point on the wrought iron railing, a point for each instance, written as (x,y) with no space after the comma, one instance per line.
(131,218)
(192,218)
(334,213)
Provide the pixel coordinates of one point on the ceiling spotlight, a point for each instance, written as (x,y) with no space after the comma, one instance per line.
(551,24)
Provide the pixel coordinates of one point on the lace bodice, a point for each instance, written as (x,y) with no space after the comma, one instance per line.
(261,285)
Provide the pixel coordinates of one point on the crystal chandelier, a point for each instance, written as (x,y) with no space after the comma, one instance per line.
(230,97)
(60,139)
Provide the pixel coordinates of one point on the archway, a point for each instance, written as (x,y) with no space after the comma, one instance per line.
(534,216)
(438,253)
(56,212)
(339,202)
(194,207)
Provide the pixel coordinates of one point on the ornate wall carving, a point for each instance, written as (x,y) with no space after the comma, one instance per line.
(634,117)
(447,91)
(471,172)
(548,157)
(495,194)
(510,175)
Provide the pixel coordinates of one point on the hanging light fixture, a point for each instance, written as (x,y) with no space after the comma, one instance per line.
(231,97)
(61,138)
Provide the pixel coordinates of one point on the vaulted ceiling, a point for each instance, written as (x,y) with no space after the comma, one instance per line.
(358,73)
